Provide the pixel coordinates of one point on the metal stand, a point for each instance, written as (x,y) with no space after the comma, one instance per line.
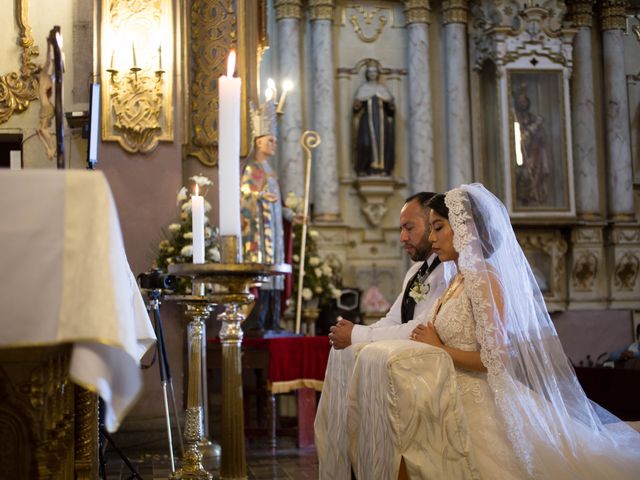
(231,288)
(165,375)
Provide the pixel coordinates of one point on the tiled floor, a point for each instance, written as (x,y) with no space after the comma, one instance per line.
(287,463)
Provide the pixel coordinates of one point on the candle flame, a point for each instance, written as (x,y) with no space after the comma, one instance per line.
(287,85)
(268,94)
(231,63)
(271,84)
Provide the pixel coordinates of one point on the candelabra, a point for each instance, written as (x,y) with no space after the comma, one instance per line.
(230,282)
(137,99)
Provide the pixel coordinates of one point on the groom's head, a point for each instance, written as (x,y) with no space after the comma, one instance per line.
(414,226)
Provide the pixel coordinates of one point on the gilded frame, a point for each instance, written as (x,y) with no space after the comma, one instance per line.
(19,89)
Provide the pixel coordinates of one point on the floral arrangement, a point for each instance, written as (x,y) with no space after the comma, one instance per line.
(319,277)
(419,288)
(177,244)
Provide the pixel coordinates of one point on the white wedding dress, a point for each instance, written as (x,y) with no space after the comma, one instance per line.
(407,400)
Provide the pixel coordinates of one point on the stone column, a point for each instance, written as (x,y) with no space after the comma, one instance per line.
(288,15)
(618,148)
(421,165)
(583,113)
(457,108)
(325,166)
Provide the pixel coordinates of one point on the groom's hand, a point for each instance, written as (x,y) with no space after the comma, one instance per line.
(340,336)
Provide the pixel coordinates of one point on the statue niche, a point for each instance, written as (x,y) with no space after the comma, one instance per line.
(374,126)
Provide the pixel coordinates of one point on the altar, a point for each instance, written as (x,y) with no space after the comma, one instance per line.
(74,322)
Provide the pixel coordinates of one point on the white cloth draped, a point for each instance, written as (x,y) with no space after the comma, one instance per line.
(67,280)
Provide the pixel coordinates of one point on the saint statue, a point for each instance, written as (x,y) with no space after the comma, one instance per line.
(263,217)
(532,177)
(374,111)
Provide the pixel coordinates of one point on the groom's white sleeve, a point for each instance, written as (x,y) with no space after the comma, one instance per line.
(390,327)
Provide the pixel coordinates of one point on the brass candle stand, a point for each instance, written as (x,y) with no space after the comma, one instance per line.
(231,281)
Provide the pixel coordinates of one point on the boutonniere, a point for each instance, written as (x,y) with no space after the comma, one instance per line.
(419,289)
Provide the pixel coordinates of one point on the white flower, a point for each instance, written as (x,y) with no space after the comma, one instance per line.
(335,292)
(201,180)
(318,290)
(314,261)
(214,254)
(182,195)
(170,261)
(327,270)
(164,244)
(294,202)
(419,291)
(186,207)
(207,232)
(187,251)
(296,258)
(307,294)
(318,272)
(314,233)
(170,249)
(187,236)
(174,227)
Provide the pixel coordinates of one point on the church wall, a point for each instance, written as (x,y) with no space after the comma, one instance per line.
(42,18)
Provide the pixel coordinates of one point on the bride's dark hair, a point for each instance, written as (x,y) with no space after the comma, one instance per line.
(489,238)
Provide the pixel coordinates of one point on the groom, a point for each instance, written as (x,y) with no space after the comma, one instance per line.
(422,286)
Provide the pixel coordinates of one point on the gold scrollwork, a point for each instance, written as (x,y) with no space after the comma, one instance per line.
(137,104)
(585,271)
(17,90)
(368,16)
(613,14)
(211,38)
(626,272)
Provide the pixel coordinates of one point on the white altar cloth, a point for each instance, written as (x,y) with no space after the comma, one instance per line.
(66,279)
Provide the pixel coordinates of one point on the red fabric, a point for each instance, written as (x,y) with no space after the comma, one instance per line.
(293,358)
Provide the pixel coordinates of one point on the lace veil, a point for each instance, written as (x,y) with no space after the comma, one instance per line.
(541,404)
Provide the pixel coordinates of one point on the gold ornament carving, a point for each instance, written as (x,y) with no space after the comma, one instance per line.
(137,90)
(212,36)
(368,16)
(585,270)
(288,9)
(455,11)
(580,12)
(137,102)
(626,272)
(417,11)
(321,9)
(86,434)
(17,90)
(613,14)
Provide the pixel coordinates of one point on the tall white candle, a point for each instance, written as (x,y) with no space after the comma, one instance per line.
(197,226)
(229,89)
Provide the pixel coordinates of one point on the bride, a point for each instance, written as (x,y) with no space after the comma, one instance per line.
(526,414)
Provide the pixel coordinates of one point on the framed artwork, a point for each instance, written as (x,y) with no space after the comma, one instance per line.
(538,164)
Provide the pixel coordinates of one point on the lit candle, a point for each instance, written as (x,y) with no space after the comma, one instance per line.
(197,226)
(229,150)
(133,49)
(285,88)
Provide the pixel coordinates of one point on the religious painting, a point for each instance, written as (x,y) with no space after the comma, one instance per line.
(538,140)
